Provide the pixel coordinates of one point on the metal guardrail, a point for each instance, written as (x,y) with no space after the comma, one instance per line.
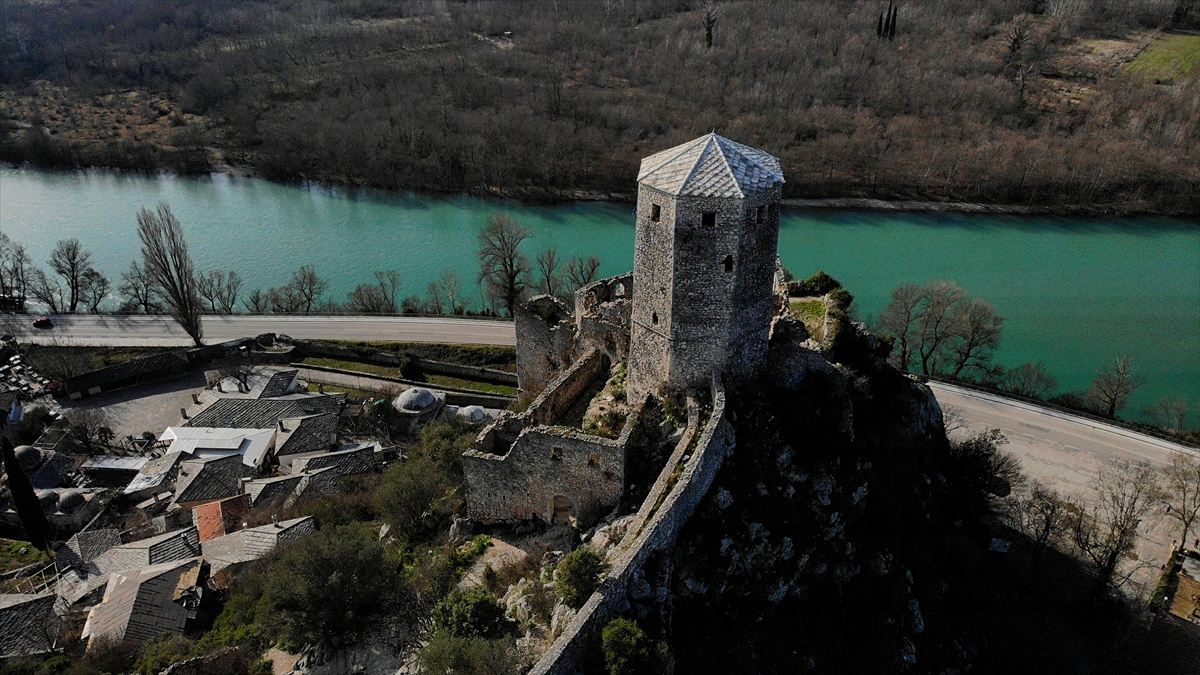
(1129,426)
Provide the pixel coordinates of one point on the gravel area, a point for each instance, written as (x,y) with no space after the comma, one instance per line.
(145,407)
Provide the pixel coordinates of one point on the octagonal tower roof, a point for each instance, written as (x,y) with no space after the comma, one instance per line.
(711,166)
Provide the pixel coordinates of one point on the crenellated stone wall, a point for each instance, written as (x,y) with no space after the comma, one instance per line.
(545,341)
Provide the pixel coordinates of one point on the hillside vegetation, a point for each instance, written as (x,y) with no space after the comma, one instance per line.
(1006,101)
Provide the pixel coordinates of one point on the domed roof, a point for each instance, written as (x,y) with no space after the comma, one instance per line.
(47,499)
(415,400)
(472,413)
(28,456)
(70,500)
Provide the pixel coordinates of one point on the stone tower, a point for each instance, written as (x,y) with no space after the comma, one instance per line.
(704,264)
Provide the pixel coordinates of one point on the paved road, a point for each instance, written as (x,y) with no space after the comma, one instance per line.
(1065,451)
(136,331)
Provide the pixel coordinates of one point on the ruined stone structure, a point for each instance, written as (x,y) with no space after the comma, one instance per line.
(698,305)
(704,264)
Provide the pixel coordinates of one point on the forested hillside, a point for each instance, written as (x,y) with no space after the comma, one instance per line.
(1043,102)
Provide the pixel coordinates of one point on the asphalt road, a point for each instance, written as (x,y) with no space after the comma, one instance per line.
(1065,451)
(139,331)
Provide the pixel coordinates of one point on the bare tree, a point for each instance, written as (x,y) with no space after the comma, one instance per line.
(15,268)
(1181,493)
(1169,414)
(220,290)
(91,426)
(452,289)
(71,262)
(257,302)
(60,362)
(580,272)
(47,291)
(93,289)
(709,15)
(389,287)
(137,291)
(308,288)
(285,300)
(547,263)
(899,319)
(1041,514)
(978,328)
(369,299)
(937,324)
(434,291)
(1113,385)
(1106,525)
(503,267)
(1030,380)
(167,263)
(237,368)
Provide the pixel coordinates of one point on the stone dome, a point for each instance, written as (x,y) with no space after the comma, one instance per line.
(472,413)
(47,499)
(28,457)
(415,400)
(70,500)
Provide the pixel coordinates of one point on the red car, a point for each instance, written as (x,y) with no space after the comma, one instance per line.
(43,322)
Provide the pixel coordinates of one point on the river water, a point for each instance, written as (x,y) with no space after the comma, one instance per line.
(1076,292)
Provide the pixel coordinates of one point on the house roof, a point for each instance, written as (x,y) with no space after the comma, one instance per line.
(306,434)
(140,605)
(76,584)
(251,444)
(210,519)
(272,492)
(157,471)
(279,384)
(84,547)
(27,624)
(346,462)
(130,369)
(246,413)
(207,478)
(711,166)
(254,543)
(114,463)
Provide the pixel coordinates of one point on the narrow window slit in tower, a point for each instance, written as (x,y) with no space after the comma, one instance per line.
(709,220)
(728,263)
(760,214)
(655,212)
(654,318)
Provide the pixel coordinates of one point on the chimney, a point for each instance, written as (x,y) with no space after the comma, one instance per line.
(280,426)
(196,398)
(183,413)
(219,387)
(275,520)
(321,387)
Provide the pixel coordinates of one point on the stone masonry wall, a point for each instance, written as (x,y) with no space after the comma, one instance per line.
(546,468)
(567,387)
(545,338)
(602,310)
(658,534)
(754,298)
(650,320)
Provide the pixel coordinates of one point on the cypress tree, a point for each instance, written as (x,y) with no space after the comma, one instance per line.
(33,521)
(879,27)
(892,24)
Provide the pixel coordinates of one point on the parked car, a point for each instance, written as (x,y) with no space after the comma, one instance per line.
(43,322)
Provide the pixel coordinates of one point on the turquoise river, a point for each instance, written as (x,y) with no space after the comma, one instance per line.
(1076,292)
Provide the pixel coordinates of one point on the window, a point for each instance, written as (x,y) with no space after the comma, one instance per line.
(728,263)
(708,220)
(760,214)
(655,212)
(556,453)
(654,318)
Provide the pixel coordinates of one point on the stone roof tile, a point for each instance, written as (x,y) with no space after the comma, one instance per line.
(711,166)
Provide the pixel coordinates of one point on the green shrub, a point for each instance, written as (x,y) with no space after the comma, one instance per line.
(577,576)
(840,300)
(471,613)
(161,652)
(818,284)
(470,656)
(628,651)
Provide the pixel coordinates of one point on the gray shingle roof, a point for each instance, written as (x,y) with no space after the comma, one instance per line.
(84,547)
(254,543)
(278,384)
(76,585)
(307,434)
(711,166)
(123,372)
(158,472)
(27,624)
(272,492)
(139,605)
(249,413)
(345,462)
(209,478)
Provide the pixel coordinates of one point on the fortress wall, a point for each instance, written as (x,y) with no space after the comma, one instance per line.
(561,394)
(582,635)
(544,463)
(754,301)
(602,311)
(545,338)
